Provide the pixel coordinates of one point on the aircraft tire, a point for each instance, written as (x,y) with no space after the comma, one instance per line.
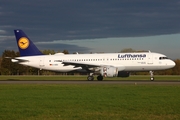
(90,78)
(152,78)
(99,78)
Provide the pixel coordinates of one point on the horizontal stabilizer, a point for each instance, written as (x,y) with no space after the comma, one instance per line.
(19,60)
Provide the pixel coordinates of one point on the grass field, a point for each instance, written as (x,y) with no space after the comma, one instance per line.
(84,77)
(89,102)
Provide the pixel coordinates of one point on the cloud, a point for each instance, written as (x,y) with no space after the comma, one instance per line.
(6,38)
(60,47)
(90,19)
(3,32)
(95,19)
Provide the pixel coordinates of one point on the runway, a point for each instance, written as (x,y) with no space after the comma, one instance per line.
(133,82)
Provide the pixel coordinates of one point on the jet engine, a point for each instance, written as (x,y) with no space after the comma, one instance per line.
(109,71)
(123,74)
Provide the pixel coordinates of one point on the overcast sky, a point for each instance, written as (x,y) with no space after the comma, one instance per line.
(93,25)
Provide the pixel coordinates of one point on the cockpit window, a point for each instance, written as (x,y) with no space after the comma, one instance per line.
(163,58)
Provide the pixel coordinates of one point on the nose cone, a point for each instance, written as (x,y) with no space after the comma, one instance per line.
(172,64)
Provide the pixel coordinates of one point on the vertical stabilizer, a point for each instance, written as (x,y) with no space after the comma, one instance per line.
(25,45)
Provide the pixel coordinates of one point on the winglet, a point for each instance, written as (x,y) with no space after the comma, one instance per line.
(25,45)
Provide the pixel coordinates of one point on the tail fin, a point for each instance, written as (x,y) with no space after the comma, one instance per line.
(25,45)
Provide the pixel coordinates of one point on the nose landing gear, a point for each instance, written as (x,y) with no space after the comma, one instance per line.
(151,75)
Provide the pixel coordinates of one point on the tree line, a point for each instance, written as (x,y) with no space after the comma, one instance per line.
(9,68)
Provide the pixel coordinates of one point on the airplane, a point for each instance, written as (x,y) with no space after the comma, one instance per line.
(104,64)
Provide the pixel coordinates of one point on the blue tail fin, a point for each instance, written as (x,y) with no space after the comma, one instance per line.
(25,45)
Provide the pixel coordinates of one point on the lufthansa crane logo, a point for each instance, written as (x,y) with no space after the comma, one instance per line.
(23,43)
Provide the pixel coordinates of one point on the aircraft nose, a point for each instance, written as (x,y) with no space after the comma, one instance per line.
(172,63)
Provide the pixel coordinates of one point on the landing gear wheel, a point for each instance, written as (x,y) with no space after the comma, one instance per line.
(99,78)
(152,78)
(90,78)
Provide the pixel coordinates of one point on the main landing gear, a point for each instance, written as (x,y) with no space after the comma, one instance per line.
(100,77)
(152,76)
(91,77)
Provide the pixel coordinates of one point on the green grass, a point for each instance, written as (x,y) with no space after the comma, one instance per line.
(89,102)
(84,77)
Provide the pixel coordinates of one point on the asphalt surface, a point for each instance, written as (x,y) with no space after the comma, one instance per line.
(133,82)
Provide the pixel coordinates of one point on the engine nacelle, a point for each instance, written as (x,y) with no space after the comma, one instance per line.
(123,74)
(109,71)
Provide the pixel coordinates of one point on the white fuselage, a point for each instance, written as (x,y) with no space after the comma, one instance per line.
(146,61)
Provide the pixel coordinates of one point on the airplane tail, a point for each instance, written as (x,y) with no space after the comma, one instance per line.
(25,45)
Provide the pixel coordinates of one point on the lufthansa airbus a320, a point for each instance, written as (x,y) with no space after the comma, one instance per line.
(105,65)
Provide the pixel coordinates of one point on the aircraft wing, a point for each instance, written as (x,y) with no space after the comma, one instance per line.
(81,64)
(86,66)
